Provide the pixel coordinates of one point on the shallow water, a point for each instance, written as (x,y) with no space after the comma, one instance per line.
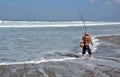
(37,43)
(52,51)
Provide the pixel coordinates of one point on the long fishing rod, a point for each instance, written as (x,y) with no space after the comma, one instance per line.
(81,17)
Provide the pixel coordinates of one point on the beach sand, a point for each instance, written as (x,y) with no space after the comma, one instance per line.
(99,66)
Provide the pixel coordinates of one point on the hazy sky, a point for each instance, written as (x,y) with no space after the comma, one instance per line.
(101,10)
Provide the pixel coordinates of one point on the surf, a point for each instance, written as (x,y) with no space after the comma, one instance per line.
(27,24)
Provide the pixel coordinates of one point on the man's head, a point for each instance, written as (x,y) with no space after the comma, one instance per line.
(86,33)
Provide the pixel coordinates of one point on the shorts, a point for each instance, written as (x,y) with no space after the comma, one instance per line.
(86,48)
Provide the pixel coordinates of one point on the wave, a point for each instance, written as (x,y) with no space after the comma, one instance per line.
(53,23)
(37,62)
(58,60)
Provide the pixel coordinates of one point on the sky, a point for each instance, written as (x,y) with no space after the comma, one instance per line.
(60,10)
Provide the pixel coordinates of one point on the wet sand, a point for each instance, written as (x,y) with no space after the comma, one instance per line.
(99,66)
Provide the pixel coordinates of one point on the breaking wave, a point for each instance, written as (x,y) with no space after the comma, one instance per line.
(53,23)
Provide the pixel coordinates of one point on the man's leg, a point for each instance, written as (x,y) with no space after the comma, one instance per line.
(83,52)
(89,51)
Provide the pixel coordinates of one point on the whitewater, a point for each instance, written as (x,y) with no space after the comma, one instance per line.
(6,24)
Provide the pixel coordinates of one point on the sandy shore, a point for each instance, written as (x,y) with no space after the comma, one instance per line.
(99,66)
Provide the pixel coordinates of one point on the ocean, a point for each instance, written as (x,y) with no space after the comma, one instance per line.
(26,41)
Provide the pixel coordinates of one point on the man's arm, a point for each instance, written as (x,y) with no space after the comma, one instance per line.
(91,41)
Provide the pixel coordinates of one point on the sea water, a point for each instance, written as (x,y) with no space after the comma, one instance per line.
(22,41)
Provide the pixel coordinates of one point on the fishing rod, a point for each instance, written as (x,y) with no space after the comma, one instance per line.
(79,12)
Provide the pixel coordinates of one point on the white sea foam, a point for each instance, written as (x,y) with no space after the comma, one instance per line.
(95,44)
(53,23)
(1,21)
(37,62)
(96,41)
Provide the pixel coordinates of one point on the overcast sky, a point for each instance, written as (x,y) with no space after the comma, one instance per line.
(102,10)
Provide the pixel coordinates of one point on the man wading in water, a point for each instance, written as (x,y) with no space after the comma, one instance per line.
(86,39)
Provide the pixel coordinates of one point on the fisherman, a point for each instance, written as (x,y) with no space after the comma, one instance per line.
(86,40)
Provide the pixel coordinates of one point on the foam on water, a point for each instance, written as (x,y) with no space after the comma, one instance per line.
(37,62)
(95,44)
(96,41)
(7,24)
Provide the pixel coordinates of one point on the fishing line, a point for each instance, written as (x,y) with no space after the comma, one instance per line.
(79,12)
